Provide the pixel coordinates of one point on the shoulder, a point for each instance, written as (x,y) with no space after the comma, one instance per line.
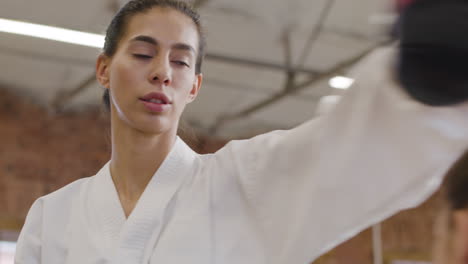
(61,195)
(44,221)
(56,206)
(239,156)
(67,192)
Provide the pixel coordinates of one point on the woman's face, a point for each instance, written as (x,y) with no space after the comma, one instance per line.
(152,76)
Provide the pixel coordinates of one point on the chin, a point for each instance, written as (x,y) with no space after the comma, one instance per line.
(148,123)
(153,128)
(159,125)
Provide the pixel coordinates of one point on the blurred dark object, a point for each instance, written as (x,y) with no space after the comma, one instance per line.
(400,5)
(433,51)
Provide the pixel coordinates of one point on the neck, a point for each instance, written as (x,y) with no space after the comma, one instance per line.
(136,156)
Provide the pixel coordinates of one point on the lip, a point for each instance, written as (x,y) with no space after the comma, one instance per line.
(156,96)
(156,107)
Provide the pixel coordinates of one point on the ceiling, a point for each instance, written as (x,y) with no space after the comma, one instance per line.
(252,45)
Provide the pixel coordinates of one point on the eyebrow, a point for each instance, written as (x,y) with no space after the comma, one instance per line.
(152,41)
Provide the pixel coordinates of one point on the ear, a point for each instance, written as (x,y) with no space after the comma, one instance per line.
(195,88)
(102,70)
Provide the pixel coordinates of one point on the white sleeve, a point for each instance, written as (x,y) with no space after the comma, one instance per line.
(375,153)
(28,248)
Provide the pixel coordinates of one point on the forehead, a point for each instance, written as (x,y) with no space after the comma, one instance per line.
(166,25)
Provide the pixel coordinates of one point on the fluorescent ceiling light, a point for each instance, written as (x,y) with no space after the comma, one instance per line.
(52,33)
(341,82)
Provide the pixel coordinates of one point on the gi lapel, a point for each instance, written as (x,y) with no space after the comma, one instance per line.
(96,221)
(144,225)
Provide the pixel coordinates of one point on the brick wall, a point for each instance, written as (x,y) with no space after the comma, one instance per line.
(41,152)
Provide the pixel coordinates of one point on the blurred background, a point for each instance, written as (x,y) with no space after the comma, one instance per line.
(270,64)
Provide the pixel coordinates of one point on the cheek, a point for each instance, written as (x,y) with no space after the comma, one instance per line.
(184,84)
(124,74)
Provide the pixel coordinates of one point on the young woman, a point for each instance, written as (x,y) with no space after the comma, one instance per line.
(282,197)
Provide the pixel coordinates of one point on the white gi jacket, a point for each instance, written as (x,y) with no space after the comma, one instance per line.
(283,197)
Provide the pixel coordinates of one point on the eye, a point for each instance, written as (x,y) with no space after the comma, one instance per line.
(142,56)
(181,63)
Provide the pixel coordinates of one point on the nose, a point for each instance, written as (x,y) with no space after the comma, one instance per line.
(161,72)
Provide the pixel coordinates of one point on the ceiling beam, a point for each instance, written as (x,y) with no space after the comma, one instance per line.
(316,32)
(63,97)
(257,63)
(339,68)
(289,86)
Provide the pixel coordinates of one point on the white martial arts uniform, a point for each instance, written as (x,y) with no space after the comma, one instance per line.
(282,197)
